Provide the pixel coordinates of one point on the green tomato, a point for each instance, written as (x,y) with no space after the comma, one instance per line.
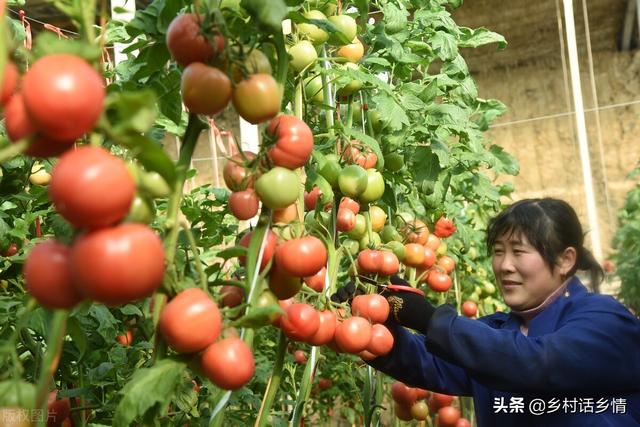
(442,249)
(372,240)
(331,170)
(153,184)
(142,210)
(353,86)
(397,248)
(359,229)
(313,89)
(353,181)
(377,122)
(393,162)
(375,187)
(356,110)
(303,55)
(313,33)
(352,246)
(390,234)
(346,26)
(489,288)
(278,188)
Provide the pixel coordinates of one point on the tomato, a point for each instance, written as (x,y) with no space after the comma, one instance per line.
(422,393)
(350,204)
(463,422)
(187,43)
(393,162)
(403,412)
(389,263)
(442,249)
(236,174)
(228,363)
(19,125)
(447,263)
(11,250)
(285,215)
(397,248)
(351,246)
(231,296)
(303,55)
(153,184)
(293,142)
(256,62)
(370,240)
(357,153)
(39,175)
(390,234)
(608,266)
(205,90)
(378,217)
(278,188)
(469,308)
(420,411)
(324,383)
(117,265)
(353,334)
(48,276)
(413,254)
(311,198)
(360,228)
(353,180)
(433,242)
(326,329)
(416,231)
(438,281)
(439,400)
(352,52)
(353,85)
(317,281)
(268,299)
(381,340)
(372,307)
(429,258)
(125,339)
(345,25)
(191,321)
(269,249)
(300,322)
(9,82)
(331,170)
(57,409)
(91,188)
(368,261)
(403,394)
(300,357)
(375,187)
(313,89)
(377,121)
(301,257)
(444,227)
(257,98)
(57,77)
(312,32)
(345,220)
(282,284)
(244,204)
(448,416)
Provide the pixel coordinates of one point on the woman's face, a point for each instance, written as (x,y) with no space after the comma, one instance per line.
(522,274)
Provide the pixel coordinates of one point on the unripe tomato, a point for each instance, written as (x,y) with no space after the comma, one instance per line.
(469,308)
(91,188)
(393,162)
(448,416)
(285,215)
(345,25)
(293,142)
(413,254)
(244,204)
(331,170)
(375,187)
(48,276)
(416,231)
(313,89)
(205,90)
(447,263)
(353,85)
(256,62)
(317,281)
(403,394)
(353,180)
(326,329)
(64,96)
(269,249)
(433,242)
(372,307)
(352,52)
(117,265)
(236,174)
(191,321)
(257,99)
(300,322)
(301,257)
(360,229)
(378,218)
(312,32)
(419,411)
(438,281)
(39,175)
(381,340)
(229,363)
(9,82)
(125,339)
(397,248)
(390,234)
(353,334)
(303,55)
(278,188)
(187,43)
(283,285)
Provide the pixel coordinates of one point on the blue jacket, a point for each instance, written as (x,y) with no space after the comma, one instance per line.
(581,352)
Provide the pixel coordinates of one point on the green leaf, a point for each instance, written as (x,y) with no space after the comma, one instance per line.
(393,112)
(445,45)
(394,19)
(270,14)
(151,155)
(132,111)
(17,393)
(167,88)
(411,102)
(47,43)
(107,324)
(506,162)
(257,317)
(232,252)
(147,388)
(78,336)
(479,37)
(426,164)
(130,310)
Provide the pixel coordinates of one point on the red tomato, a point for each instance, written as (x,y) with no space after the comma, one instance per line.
(236,174)
(422,393)
(433,242)
(403,412)
(57,409)
(187,42)
(413,254)
(350,204)
(389,263)
(257,99)
(300,322)
(372,307)
(439,400)
(10,251)
(48,276)
(117,265)
(469,308)
(403,394)
(205,90)
(463,422)
(345,219)
(353,334)
(244,204)
(416,231)
(269,249)
(311,198)
(316,282)
(369,261)
(125,339)
(9,82)
(381,340)
(285,215)
(282,284)
(91,188)
(419,411)
(191,321)
(326,329)
(447,263)
(438,281)
(444,227)
(324,383)
(64,96)
(300,357)
(448,416)
(608,266)
(232,296)
(284,305)
(301,257)
(293,142)
(229,363)
(429,257)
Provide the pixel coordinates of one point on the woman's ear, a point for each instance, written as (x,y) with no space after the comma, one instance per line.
(566,260)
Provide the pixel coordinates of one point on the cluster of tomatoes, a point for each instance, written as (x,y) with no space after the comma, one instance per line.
(412,403)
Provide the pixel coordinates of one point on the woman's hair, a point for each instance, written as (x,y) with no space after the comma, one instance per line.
(551,226)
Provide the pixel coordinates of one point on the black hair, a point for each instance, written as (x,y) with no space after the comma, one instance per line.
(551,226)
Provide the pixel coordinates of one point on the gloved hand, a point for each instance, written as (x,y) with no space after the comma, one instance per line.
(347,293)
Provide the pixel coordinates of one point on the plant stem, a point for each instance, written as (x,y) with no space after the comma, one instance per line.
(13,150)
(274,383)
(196,255)
(327,93)
(283,58)
(305,387)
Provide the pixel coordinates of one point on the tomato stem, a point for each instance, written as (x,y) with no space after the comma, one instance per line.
(283,58)
(327,93)
(305,387)
(274,383)
(13,150)
(196,255)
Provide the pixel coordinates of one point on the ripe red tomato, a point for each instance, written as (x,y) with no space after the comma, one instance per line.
(191,321)
(311,198)
(353,334)
(403,394)
(429,257)
(350,204)
(389,263)
(416,231)
(236,174)
(419,411)
(433,242)
(282,284)
(345,219)
(10,251)
(438,281)
(269,249)
(257,99)
(381,340)
(403,412)
(228,363)
(301,257)
(9,82)
(57,409)
(300,357)
(125,339)
(244,204)
(300,322)
(48,276)
(373,307)
(463,422)
(369,261)
(293,142)
(324,383)
(422,393)
(117,265)
(91,188)
(64,96)
(439,400)
(448,416)
(326,330)
(231,296)
(469,308)
(205,90)
(316,282)
(447,263)
(444,227)
(188,43)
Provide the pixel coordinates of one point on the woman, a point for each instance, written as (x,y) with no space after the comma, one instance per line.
(561,357)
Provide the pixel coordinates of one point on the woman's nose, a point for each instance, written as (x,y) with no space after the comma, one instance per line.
(505,263)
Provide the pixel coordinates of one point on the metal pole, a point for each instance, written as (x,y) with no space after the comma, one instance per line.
(121,10)
(583,143)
